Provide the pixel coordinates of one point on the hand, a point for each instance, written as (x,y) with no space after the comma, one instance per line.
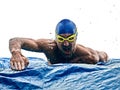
(18,62)
(103,56)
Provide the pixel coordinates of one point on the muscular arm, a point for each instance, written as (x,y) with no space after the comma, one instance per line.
(18,61)
(16,44)
(88,55)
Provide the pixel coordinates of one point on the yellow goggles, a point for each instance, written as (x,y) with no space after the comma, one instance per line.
(69,39)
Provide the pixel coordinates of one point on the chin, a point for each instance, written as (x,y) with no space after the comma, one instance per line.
(67,55)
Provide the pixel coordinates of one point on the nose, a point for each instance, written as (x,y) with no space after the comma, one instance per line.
(66,43)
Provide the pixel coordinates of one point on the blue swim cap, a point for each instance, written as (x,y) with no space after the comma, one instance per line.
(66,26)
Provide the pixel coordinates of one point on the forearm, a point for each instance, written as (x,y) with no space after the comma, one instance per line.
(90,59)
(15,45)
(97,56)
(17,61)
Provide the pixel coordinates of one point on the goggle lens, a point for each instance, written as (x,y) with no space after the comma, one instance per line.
(69,39)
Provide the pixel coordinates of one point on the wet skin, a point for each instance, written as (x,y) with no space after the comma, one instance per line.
(56,52)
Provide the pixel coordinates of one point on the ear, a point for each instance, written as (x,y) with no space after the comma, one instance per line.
(76,35)
(76,32)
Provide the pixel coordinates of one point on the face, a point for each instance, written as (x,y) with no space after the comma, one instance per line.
(66,44)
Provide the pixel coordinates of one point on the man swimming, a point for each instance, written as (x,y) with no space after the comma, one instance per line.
(61,50)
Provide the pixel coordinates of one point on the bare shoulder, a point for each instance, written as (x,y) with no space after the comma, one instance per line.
(84,50)
(81,50)
(80,46)
(83,47)
(46,43)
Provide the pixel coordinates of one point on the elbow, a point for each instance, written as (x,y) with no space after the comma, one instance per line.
(11,40)
(14,40)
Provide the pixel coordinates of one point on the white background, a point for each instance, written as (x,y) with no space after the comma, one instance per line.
(98,22)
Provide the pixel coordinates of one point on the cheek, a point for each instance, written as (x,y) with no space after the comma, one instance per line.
(73,44)
(59,45)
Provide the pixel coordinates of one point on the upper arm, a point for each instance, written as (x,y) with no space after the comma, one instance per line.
(30,44)
(25,43)
(82,50)
(40,45)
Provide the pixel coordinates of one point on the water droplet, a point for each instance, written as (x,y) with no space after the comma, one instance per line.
(113,5)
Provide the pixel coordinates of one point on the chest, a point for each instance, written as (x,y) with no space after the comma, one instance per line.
(58,58)
(55,56)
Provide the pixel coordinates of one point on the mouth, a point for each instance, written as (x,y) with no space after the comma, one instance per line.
(67,51)
(67,54)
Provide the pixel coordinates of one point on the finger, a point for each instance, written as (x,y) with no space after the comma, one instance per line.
(19,66)
(22,65)
(12,65)
(26,62)
(15,64)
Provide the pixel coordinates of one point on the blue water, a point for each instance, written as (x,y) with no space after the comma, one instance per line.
(40,76)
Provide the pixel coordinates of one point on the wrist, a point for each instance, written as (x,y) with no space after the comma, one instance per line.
(15,51)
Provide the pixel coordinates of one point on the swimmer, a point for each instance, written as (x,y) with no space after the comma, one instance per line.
(61,50)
